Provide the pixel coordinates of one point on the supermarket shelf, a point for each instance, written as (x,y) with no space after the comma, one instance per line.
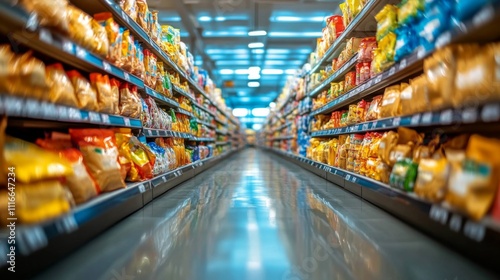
(39,245)
(220,121)
(201,139)
(184,112)
(153,133)
(477,239)
(204,109)
(222,143)
(206,124)
(364,22)
(449,117)
(283,126)
(160,98)
(304,112)
(407,67)
(335,77)
(180,91)
(19,107)
(486,19)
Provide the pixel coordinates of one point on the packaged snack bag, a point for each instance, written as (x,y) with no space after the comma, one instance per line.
(128,170)
(432,179)
(80,27)
(404,174)
(130,102)
(102,86)
(390,102)
(386,21)
(335,26)
(130,7)
(141,159)
(51,13)
(100,42)
(100,155)
(114,36)
(33,163)
(374,109)
(366,48)
(473,183)
(86,95)
(61,89)
(350,81)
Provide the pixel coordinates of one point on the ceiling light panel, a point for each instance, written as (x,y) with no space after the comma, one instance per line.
(295,34)
(253,84)
(256,45)
(257,33)
(272,72)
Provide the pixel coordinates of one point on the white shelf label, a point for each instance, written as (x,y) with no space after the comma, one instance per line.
(392,71)
(81,52)
(446,117)
(126,121)
(420,53)
(469,115)
(378,79)
(439,214)
(402,64)
(74,114)
(67,46)
(94,117)
(46,36)
(125,17)
(106,66)
(415,119)
(126,76)
(105,119)
(67,224)
(491,113)
(34,238)
(474,231)
(485,15)
(443,40)
(396,121)
(142,188)
(427,118)
(365,126)
(164,178)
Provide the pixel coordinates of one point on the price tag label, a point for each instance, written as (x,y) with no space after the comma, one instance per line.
(125,17)
(105,119)
(34,238)
(142,188)
(439,214)
(374,125)
(62,112)
(469,115)
(402,64)
(396,121)
(81,52)
(149,132)
(66,224)
(370,83)
(474,231)
(74,114)
(106,66)
(491,113)
(366,126)
(126,76)
(446,117)
(455,223)
(427,118)
(485,15)
(392,71)
(164,178)
(126,121)
(378,79)
(415,119)
(67,46)
(354,128)
(94,117)
(46,36)
(348,177)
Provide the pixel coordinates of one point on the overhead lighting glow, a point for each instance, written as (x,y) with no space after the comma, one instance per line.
(298,19)
(254,69)
(257,126)
(226,71)
(242,72)
(253,84)
(258,51)
(204,18)
(290,71)
(240,112)
(170,19)
(257,33)
(254,76)
(272,72)
(260,112)
(256,45)
(272,104)
(220,19)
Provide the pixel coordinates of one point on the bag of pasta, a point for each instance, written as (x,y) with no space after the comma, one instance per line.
(86,95)
(61,89)
(100,155)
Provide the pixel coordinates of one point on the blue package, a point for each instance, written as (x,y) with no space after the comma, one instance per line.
(465,9)
(405,43)
(437,19)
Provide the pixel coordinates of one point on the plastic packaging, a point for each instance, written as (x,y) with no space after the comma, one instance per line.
(61,89)
(86,95)
(386,21)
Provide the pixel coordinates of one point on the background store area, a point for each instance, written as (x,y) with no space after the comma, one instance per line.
(342,139)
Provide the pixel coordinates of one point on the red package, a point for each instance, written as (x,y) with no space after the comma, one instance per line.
(350,81)
(366,48)
(362,72)
(336,25)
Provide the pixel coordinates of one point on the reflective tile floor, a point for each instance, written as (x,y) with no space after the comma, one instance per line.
(257,216)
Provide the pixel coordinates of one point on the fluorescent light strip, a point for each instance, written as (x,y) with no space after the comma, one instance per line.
(272,72)
(257,33)
(298,19)
(256,45)
(253,84)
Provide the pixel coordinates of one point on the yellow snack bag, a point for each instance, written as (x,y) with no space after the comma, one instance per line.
(440,72)
(386,21)
(61,89)
(474,182)
(32,163)
(432,179)
(390,102)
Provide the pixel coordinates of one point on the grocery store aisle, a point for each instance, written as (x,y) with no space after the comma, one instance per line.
(257,216)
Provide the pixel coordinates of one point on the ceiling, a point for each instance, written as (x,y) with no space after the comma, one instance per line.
(216,32)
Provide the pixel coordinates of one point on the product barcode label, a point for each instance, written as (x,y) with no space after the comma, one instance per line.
(491,113)
(469,115)
(106,66)
(446,117)
(67,46)
(94,117)
(427,118)
(415,119)
(142,188)
(439,214)
(105,119)
(81,52)
(396,121)
(126,76)
(126,121)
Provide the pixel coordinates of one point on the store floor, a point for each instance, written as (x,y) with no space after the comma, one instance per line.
(257,216)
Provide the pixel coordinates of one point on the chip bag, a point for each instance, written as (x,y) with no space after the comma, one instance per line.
(61,89)
(86,95)
(100,155)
